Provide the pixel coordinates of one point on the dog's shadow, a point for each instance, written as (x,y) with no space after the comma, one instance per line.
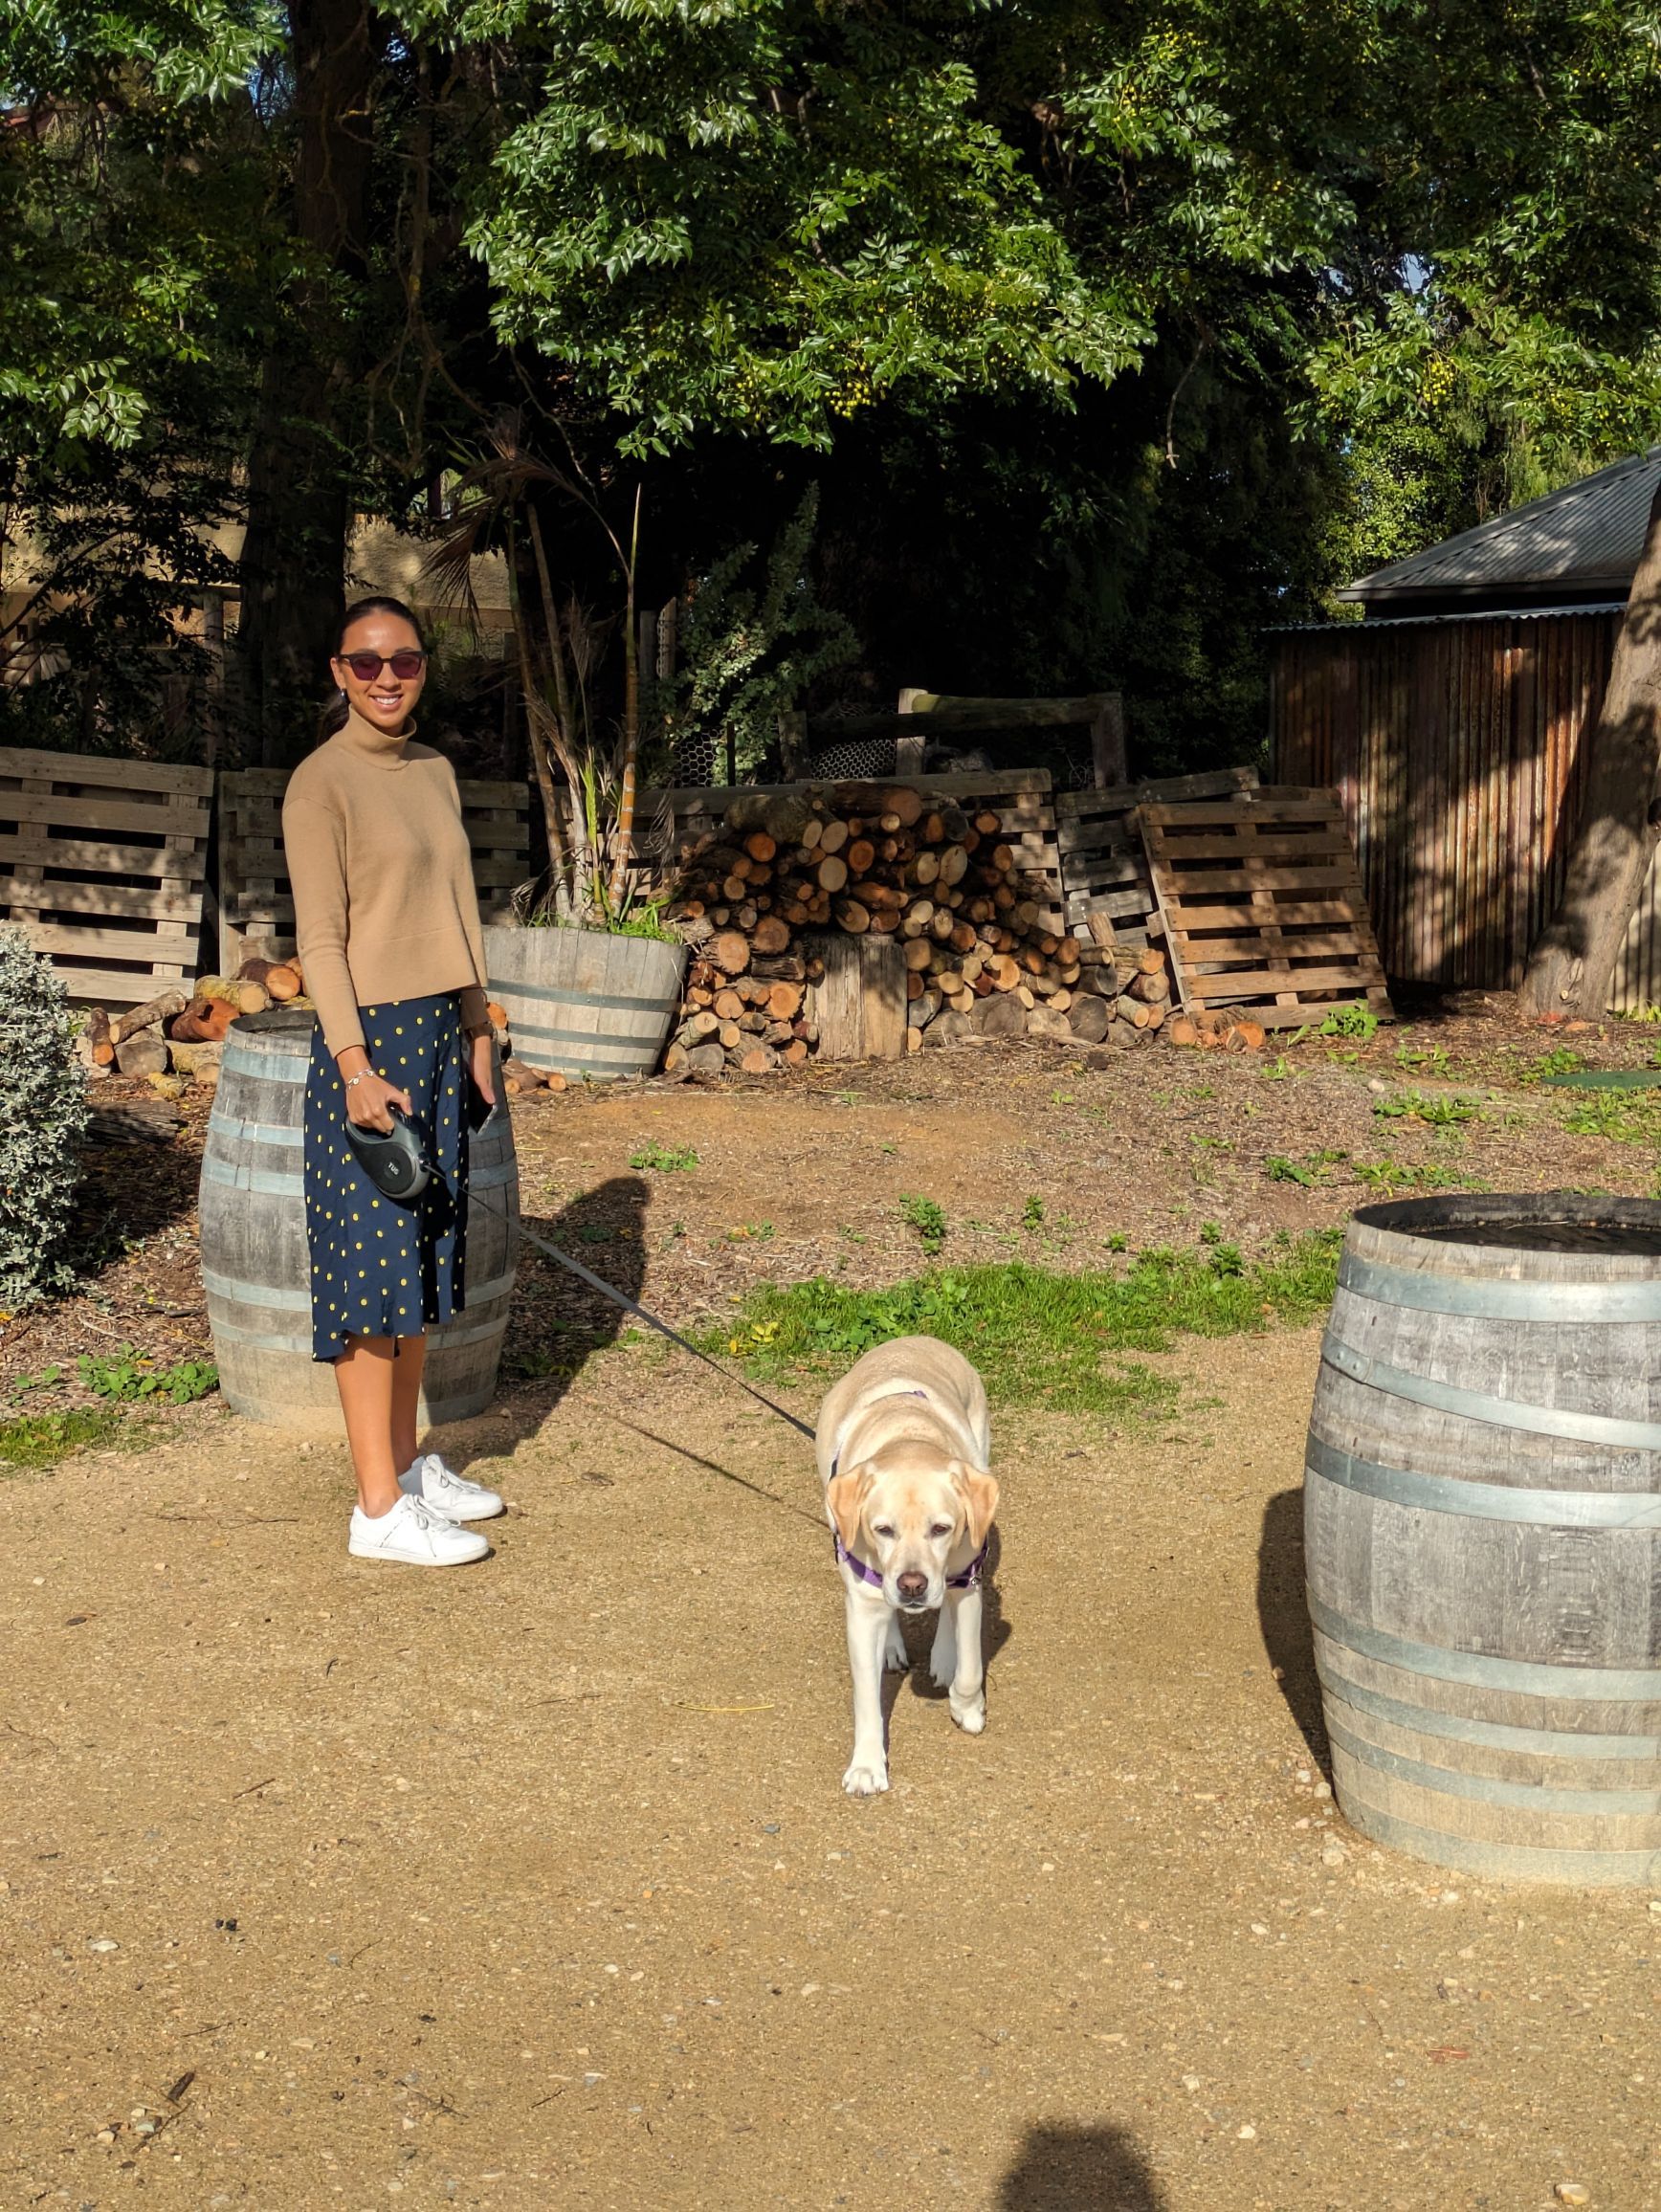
(920,1634)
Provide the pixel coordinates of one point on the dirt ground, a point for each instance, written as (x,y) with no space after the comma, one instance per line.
(532,1886)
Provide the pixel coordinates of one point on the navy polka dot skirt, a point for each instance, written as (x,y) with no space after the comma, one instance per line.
(379,1268)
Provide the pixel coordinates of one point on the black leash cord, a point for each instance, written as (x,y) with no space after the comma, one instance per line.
(634,1306)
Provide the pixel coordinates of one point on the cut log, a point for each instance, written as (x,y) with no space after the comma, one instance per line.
(729,950)
(784,1002)
(771,934)
(759,846)
(149,1014)
(1150,960)
(1101,929)
(495,1015)
(1090,1019)
(98,1038)
(143,1054)
(700,1026)
(832,871)
(905,803)
(703,1062)
(1182,1029)
(758,1060)
(1250,1034)
(516,1078)
(1000,1015)
(203,1021)
(954,864)
(200,1062)
(1154,989)
(1004,971)
(1045,1021)
(278,980)
(728,1005)
(917,952)
(832,837)
(851,916)
(947,1027)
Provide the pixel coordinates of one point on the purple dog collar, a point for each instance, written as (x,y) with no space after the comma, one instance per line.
(969,1578)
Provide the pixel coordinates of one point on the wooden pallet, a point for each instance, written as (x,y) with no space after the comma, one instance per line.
(256,902)
(1103,867)
(1021,798)
(104,862)
(1262,905)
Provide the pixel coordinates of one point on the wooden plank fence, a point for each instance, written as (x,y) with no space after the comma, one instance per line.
(103,862)
(255,899)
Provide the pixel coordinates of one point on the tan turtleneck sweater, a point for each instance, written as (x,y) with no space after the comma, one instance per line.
(383,900)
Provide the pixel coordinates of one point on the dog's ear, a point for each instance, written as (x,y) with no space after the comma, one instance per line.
(978,1492)
(845,1496)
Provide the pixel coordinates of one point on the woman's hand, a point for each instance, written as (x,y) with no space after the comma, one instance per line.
(369,1098)
(481,1067)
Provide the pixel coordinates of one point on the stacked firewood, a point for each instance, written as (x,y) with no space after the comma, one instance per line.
(979,956)
(177,1038)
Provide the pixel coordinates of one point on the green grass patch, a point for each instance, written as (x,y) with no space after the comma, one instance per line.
(665,1159)
(1038,1334)
(40,1440)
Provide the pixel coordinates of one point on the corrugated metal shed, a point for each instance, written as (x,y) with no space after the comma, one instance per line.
(1577,545)
(1458,747)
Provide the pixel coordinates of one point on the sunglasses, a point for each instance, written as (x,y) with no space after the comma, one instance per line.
(406,665)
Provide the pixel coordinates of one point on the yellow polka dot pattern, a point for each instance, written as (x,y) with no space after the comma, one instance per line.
(379,1268)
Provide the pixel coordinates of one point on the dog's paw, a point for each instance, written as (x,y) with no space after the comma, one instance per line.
(865,1781)
(971,1715)
(940,1670)
(896,1658)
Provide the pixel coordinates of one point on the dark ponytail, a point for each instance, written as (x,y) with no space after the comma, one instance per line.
(333,715)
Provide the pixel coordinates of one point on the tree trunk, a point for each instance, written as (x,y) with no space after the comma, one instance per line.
(1573,961)
(298,508)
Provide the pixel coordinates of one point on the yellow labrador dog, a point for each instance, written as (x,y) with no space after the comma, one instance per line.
(903,1445)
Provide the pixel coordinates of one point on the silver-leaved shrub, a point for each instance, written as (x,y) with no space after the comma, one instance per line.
(43,1116)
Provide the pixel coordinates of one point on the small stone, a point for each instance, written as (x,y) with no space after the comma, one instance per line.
(103,1943)
(1246,2135)
(1190,2082)
(1323,1789)
(1333,1856)
(1572,2193)
(1655,1904)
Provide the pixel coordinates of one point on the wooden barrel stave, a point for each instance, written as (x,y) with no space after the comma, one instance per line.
(1483,1537)
(256,1269)
(583,1003)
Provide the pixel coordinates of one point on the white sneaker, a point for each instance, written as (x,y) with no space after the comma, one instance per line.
(413,1533)
(444,1490)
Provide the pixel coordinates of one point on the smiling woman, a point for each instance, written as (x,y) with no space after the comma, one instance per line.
(390,938)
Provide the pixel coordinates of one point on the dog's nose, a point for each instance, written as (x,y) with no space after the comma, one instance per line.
(911,1585)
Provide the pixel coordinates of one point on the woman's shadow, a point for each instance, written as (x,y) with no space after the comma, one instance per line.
(556,1322)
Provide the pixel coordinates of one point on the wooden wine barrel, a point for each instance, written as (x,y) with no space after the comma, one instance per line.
(254,1264)
(583,1003)
(1482,1511)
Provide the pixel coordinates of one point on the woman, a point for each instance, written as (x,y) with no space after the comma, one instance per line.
(387,922)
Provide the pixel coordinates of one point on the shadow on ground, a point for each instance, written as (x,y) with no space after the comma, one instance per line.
(557,1322)
(1067,2169)
(1283,1613)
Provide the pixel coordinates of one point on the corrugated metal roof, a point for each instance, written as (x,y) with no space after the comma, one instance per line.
(1376,622)
(1585,538)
